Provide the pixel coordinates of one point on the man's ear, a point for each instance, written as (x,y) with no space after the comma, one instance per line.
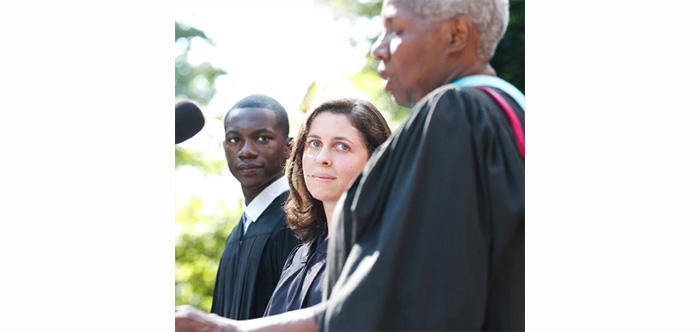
(460,28)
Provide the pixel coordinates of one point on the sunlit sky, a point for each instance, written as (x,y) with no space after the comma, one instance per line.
(276,48)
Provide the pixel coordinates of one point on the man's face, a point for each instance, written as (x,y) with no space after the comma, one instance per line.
(255,146)
(411,51)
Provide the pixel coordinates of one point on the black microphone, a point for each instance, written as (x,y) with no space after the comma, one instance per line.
(189,120)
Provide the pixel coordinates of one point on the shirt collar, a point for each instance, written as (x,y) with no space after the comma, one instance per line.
(260,203)
(493,82)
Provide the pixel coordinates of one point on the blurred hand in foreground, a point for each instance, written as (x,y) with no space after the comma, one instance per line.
(189,319)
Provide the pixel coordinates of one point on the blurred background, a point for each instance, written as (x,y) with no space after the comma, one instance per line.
(300,52)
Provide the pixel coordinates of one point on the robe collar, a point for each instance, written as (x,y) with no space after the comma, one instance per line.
(493,82)
(260,203)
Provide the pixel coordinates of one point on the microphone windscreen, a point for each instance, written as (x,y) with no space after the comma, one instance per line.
(189,120)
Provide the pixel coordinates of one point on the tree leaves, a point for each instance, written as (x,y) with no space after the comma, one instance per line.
(194,82)
(188,32)
(201,233)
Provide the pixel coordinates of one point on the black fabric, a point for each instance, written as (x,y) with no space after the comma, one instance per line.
(251,264)
(301,283)
(431,236)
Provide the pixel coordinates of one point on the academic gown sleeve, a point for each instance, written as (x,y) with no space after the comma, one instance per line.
(431,236)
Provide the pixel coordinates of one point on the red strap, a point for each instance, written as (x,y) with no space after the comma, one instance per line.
(510,113)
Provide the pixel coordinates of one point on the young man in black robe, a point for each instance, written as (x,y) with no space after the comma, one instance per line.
(431,236)
(256,147)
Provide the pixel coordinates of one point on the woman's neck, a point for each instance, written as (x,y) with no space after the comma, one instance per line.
(328,210)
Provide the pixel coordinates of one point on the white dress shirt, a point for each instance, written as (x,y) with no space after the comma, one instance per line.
(257,206)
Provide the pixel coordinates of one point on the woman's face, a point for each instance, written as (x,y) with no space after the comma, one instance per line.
(334,154)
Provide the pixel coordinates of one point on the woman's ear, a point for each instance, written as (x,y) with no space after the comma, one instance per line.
(290,145)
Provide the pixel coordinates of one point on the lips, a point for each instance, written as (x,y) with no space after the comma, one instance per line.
(385,76)
(323,177)
(248,166)
(249,169)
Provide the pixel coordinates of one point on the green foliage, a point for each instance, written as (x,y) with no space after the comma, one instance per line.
(509,60)
(202,231)
(352,9)
(193,158)
(309,97)
(199,247)
(369,81)
(188,32)
(193,82)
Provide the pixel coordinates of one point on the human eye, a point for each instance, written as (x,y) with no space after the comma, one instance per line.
(233,140)
(263,139)
(314,144)
(342,147)
(395,29)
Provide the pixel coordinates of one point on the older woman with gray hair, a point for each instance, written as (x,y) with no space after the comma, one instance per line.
(431,235)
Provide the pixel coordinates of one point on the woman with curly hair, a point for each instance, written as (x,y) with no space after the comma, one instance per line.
(330,150)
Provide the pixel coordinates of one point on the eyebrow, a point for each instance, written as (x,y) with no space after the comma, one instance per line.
(257,131)
(335,138)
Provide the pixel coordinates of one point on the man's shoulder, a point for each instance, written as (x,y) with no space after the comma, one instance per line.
(448,95)
(445,106)
(455,105)
(276,208)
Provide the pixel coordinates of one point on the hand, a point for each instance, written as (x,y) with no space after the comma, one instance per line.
(189,319)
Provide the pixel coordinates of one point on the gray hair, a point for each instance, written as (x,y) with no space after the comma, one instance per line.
(490,18)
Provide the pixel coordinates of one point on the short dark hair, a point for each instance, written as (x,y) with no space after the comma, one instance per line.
(268,103)
(305,214)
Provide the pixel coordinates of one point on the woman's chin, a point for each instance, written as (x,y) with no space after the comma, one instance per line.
(326,197)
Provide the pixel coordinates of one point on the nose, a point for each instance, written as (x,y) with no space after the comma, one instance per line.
(247,151)
(324,157)
(380,49)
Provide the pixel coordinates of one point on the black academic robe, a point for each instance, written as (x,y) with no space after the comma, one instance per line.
(251,264)
(431,236)
(301,283)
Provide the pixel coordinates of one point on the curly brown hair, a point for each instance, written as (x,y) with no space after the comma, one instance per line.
(305,214)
